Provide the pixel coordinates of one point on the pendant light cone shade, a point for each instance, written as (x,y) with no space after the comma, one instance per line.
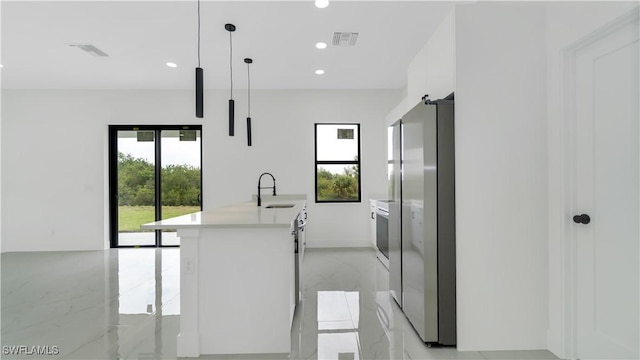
(232,123)
(248,131)
(199,92)
(248,61)
(231,28)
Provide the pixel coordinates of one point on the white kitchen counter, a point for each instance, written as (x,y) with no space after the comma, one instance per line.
(237,216)
(237,278)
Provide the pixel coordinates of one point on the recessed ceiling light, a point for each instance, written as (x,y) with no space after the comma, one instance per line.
(321,45)
(321,4)
(319,72)
(170,64)
(1,65)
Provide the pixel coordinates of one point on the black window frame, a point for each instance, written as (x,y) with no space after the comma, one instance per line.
(337,162)
(113,178)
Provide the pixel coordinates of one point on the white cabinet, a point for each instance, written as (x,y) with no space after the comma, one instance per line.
(236,269)
(372,223)
(240,261)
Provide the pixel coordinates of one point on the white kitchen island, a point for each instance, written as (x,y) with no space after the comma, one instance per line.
(237,278)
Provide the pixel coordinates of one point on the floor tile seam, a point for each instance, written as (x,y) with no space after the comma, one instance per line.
(121,294)
(359,345)
(351,311)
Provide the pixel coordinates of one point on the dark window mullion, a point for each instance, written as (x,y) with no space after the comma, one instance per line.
(339,162)
(158,185)
(113,186)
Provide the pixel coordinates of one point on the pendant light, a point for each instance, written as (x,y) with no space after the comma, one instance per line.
(248,61)
(231,28)
(199,77)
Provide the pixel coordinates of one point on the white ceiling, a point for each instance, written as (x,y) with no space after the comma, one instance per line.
(141,36)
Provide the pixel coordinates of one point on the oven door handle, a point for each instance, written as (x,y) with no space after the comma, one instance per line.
(383,213)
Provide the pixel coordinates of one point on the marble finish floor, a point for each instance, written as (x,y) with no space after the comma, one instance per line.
(125,304)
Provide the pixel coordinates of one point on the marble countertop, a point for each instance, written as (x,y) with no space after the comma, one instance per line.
(243,215)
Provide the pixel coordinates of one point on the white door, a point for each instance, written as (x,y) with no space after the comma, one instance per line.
(607,189)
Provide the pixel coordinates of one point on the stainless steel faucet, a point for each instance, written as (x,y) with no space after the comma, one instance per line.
(266,187)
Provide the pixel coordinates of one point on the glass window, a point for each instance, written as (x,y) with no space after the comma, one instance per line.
(337,162)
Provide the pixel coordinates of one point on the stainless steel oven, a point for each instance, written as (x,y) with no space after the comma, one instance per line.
(382,231)
(300,244)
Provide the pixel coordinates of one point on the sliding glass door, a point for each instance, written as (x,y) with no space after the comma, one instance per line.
(135,187)
(155,174)
(180,177)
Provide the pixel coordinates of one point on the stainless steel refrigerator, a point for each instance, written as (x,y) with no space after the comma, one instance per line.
(395,210)
(422,269)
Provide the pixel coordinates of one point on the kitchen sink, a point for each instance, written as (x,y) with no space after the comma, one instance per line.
(279,206)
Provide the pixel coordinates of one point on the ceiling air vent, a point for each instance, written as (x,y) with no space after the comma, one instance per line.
(345,38)
(90,49)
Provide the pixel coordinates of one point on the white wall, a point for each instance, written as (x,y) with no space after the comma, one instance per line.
(432,71)
(55,143)
(567,23)
(508,152)
(493,56)
(501,176)
(1,247)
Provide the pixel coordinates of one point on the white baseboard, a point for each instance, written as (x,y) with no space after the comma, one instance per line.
(331,243)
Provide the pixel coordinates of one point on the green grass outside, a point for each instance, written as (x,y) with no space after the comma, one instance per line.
(131,217)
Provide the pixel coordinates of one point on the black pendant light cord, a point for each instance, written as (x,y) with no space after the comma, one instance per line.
(199,77)
(231,62)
